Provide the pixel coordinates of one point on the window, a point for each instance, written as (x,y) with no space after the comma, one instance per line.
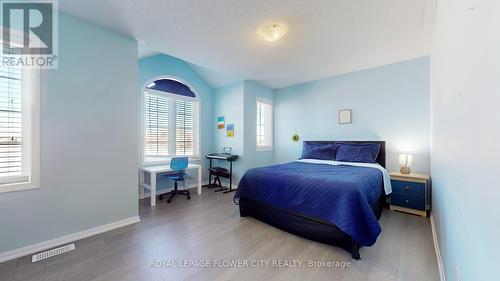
(19,129)
(184,130)
(171,113)
(156,126)
(264,124)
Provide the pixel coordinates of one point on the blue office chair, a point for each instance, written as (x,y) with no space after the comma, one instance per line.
(178,165)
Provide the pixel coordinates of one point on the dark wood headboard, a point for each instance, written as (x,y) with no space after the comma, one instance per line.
(381,154)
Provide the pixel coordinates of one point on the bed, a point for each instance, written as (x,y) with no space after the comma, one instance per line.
(336,203)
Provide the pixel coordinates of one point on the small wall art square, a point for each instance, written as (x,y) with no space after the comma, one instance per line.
(345,116)
(230,130)
(220,122)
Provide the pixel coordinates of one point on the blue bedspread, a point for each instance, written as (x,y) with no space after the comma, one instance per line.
(341,195)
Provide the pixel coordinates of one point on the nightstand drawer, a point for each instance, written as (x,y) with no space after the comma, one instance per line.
(408,188)
(408,201)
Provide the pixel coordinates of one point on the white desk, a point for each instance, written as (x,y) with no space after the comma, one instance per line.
(154,170)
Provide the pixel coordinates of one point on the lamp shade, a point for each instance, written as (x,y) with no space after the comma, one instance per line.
(405,160)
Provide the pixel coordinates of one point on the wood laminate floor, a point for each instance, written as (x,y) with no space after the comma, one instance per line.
(209,227)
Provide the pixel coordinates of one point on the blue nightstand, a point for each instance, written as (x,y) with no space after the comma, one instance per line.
(410,193)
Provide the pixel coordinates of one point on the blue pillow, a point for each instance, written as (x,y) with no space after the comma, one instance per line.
(320,151)
(354,152)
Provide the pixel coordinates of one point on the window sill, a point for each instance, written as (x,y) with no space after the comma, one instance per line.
(263,149)
(21,186)
(167,161)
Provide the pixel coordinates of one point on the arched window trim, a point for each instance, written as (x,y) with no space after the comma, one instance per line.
(197,118)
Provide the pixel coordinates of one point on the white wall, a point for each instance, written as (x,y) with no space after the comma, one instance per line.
(465,121)
(89,141)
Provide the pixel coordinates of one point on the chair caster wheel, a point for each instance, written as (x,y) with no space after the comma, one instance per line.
(168,201)
(189,197)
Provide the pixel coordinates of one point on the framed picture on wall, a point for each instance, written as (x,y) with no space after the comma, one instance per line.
(220,122)
(345,116)
(230,130)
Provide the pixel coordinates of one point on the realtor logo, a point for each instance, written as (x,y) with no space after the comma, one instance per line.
(29,33)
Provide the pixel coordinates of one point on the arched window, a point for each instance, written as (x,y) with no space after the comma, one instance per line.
(170,120)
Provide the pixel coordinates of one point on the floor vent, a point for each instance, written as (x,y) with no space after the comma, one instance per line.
(53,252)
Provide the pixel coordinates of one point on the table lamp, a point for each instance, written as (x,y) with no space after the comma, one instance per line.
(405,161)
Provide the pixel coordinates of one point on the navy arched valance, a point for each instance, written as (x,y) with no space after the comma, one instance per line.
(171,86)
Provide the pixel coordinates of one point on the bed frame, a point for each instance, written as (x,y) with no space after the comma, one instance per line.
(312,228)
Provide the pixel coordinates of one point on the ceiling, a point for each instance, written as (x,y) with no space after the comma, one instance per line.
(218,37)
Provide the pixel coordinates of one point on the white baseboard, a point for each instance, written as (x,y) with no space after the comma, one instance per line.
(42,246)
(442,276)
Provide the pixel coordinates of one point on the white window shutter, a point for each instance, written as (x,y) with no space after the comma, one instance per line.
(264,128)
(171,126)
(10,121)
(156,126)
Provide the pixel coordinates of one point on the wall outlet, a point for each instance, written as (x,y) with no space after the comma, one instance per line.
(457,270)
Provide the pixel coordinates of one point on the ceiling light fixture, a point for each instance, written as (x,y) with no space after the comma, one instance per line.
(272,32)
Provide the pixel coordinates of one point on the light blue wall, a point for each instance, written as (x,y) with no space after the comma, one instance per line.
(237,103)
(253,157)
(89,144)
(228,102)
(466,138)
(158,65)
(389,103)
